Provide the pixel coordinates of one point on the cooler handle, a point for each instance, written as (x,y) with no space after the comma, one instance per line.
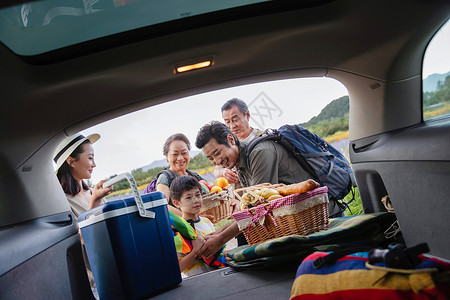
(137,196)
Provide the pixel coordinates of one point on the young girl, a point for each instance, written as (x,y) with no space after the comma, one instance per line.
(186,194)
(74,160)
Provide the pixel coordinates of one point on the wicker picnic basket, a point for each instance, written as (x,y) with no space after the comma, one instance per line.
(299,214)
(218,205)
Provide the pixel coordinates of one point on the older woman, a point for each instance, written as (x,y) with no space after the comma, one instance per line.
(176,150)
(74,159)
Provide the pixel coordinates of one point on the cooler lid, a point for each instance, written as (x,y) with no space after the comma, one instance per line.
(120,207)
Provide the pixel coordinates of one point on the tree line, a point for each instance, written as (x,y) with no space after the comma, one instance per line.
(441,95)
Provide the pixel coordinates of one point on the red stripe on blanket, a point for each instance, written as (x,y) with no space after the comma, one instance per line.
(316,255)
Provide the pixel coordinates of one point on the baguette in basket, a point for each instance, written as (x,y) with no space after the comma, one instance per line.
(298,188)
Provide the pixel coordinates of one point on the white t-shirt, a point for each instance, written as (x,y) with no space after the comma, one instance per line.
(203,226)
(251,136)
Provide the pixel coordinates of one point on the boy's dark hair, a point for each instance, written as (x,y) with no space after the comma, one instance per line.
(182,184)
(214,130)
(68,183)
(241,105)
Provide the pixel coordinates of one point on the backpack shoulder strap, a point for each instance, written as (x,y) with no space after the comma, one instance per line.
(298,157)
(170,175)
(269,134)
(275,136)
(195,175)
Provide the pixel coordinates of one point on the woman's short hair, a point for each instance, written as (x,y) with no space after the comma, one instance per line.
(215,130)
(68,183)
(183,184)
(175,137)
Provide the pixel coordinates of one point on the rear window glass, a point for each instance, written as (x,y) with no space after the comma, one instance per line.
(436,75)
(41,26)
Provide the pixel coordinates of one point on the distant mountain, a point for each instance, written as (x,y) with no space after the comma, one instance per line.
(164,163)
(336,109)
(430,83)
(155,164)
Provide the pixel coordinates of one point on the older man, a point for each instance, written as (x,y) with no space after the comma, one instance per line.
(236,116)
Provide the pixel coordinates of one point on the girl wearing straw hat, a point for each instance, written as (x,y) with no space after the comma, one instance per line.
(74,160)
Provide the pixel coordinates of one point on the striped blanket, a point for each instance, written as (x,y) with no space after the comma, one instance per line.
(351,277)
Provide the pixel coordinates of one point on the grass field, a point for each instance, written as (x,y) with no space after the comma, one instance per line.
(355,206)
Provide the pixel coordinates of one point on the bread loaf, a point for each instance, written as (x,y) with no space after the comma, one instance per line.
(298,188)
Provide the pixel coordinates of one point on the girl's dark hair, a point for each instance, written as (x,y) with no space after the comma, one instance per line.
(175,137)
(214,130)
(68,183)
(182,184)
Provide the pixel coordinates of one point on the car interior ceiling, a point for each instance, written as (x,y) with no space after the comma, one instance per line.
(379,61)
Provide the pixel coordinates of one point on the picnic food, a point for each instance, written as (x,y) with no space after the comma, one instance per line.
(222,182)
(267,192)
(298,188)
(273,197)
(216,189)
(252,200)
(264,193)
(259,196)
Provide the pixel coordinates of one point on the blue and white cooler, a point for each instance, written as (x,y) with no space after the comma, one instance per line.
(130,245)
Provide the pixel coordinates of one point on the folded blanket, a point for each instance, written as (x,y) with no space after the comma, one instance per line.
(350,277)
(183,234)
(363,230)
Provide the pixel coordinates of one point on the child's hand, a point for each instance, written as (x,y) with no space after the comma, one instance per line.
(197,244)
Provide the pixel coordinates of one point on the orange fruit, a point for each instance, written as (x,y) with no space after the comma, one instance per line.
(216,189)
(222,182)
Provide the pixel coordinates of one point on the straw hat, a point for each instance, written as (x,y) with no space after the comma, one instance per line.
(69,144)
